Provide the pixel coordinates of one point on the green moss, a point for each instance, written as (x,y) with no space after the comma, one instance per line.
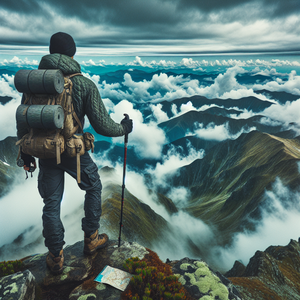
(204,271)
(67,270)
(182,280)
(87,297)
(220,290)
(185,266)
(17,276)
(101,287)
(13,288)
(207,282)
(63,277)
(200,264)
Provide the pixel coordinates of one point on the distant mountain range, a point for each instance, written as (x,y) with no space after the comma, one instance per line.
(8,164)
(226,187)
(179,127)
(4,99)
(281,97)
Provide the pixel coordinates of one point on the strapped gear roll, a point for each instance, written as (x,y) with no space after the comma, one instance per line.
(39,81)
(40,116)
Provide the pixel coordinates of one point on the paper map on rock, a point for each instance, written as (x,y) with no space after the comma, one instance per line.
(114,277)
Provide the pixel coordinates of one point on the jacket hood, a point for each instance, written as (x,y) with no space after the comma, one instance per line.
(60,61)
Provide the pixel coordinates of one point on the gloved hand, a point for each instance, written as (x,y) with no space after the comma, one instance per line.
(127,124)
(29,162)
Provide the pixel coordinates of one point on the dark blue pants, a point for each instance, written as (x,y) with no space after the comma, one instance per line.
(51,188)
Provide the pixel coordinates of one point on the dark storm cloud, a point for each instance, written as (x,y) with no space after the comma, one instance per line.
(212,5)
(275,7)
(123,19)
(24,6)
(130,12)
(134,12)
(218,25)
(282,8)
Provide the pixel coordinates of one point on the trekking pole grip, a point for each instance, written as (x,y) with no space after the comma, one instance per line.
(126,117)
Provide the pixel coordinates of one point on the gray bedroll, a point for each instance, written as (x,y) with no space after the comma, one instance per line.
(40,116)
(39,81)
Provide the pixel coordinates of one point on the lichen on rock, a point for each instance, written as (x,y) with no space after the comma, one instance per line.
(20,285)
(200,281)
(207,282)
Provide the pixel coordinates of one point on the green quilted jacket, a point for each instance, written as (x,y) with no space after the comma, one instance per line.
(85,95)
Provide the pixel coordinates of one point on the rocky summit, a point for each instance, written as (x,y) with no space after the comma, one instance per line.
(77,280)
(270,274)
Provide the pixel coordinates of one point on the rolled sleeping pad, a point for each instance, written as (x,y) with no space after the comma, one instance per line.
(39,81)
(40,116)
(21,116)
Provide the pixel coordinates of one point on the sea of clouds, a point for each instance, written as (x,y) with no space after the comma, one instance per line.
(22,207)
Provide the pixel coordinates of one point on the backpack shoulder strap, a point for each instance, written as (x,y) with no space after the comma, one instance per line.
(70,92)
(77,120)
(75,74)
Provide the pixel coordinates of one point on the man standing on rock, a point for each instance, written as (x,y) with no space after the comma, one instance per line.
(87,101)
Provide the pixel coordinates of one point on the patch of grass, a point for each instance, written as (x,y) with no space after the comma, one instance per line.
(10,267)
(253,287)
(151,225)
(152,279)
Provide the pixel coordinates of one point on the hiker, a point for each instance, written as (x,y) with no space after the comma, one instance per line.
(87,101)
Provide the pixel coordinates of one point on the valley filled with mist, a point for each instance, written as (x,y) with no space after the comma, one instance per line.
(213,162)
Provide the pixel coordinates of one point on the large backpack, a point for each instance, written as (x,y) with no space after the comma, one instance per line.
(49,115)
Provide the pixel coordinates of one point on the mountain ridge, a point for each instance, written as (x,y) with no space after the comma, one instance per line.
(270,274)
(180,126)
(234,170)
(250,103)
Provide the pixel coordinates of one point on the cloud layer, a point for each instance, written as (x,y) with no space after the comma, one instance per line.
(129,93)
(163,86)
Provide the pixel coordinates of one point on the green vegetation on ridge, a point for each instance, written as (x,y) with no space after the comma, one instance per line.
(229,183)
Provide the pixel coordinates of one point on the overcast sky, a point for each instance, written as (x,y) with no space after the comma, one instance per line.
(155,26)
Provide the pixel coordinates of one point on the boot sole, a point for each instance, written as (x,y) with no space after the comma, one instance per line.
(89,252)
(55,272)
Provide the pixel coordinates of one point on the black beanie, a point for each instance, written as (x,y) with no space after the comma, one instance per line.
(62,43)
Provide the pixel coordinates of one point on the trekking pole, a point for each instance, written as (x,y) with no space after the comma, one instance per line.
(123,184)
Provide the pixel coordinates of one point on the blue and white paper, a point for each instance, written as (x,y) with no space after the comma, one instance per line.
(114,277)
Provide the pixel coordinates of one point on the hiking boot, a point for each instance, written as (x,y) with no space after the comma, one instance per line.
(94,242)
(55,264)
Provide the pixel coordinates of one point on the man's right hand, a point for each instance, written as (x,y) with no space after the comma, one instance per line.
(127,124)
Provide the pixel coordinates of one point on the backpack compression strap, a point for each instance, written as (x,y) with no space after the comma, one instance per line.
(79,124)
(74,113)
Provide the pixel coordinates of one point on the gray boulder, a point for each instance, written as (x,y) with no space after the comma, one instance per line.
(116,258)
(77,282)
(18,286)
(77,279)
(202,282)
